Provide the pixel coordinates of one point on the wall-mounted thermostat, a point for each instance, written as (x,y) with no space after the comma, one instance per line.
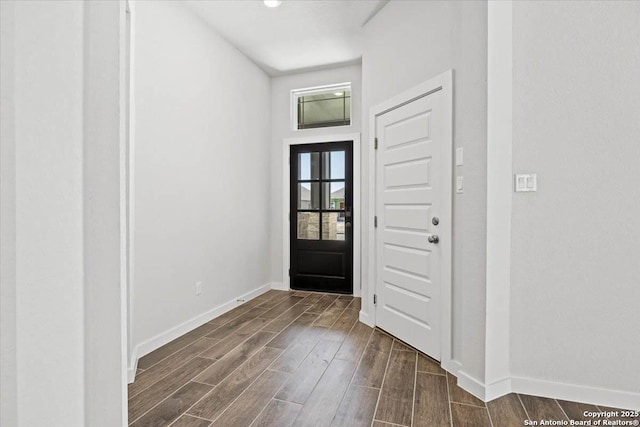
(528,182)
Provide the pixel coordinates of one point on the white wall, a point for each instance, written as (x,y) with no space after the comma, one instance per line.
(48,117)
(281,128)
(8,360)
(408,43)
(575,243)
(201,170)
(104,151)
(56,214)
(499,193)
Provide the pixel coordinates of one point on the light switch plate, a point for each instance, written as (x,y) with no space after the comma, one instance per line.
(459,184)
(459,156)
(526,183)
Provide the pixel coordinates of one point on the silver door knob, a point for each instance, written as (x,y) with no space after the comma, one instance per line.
(433,238)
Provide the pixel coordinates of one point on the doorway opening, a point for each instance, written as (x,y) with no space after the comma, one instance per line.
(336,207)
(321,217)
(410,265)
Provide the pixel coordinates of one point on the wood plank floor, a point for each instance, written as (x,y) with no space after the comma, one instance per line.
(303,359)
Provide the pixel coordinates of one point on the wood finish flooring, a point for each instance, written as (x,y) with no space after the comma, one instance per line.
(303,359)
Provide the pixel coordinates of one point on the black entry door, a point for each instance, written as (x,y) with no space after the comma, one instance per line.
(322,217)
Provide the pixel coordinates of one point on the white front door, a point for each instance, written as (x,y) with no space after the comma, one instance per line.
(411,195)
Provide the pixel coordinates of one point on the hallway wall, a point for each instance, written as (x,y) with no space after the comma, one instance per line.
(47,201)
(576,241)
(60,291)
(201,166)
(451,35)
(8,291)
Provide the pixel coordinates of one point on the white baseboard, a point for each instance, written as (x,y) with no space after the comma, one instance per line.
(452,366)
(279,286)
(550,389)
(576,393)
(159,340)
(132,367)
(366,319)
(471,385)
(497,389)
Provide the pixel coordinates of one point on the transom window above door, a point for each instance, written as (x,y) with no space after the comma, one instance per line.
(324,106)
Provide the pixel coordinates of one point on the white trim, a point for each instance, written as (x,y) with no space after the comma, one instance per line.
(163,338)
(364,318)
(131,196)
(550,389)
(297,93)
(367,308)
(452,366)
(104,143)
(480,390)
(576,393)
(125,55)
(132,367)
(322,89)
(279,286)
(444,80)
(471,385)
(357,205)
(499,190)
(497,389)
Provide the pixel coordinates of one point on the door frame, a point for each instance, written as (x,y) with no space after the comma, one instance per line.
(357,205)
(443,83)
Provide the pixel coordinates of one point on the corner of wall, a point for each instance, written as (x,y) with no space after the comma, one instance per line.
(132,366)
(169,335)
(499,190)
(550,389)
(366,319)
(8,302)
(279,286)
(576,393)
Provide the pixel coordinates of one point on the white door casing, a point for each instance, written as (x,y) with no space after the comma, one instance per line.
(413,182)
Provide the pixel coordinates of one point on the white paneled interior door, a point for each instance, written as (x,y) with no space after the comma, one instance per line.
(411,193)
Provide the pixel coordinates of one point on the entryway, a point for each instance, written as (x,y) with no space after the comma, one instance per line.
(413,180)
(321,217)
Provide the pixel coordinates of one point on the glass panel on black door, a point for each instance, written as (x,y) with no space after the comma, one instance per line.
(308,166)
(333,165)
(309,196)
(333,227)
(308,225)
(333,195)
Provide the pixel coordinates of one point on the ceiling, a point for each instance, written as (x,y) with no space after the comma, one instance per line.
(299,34)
